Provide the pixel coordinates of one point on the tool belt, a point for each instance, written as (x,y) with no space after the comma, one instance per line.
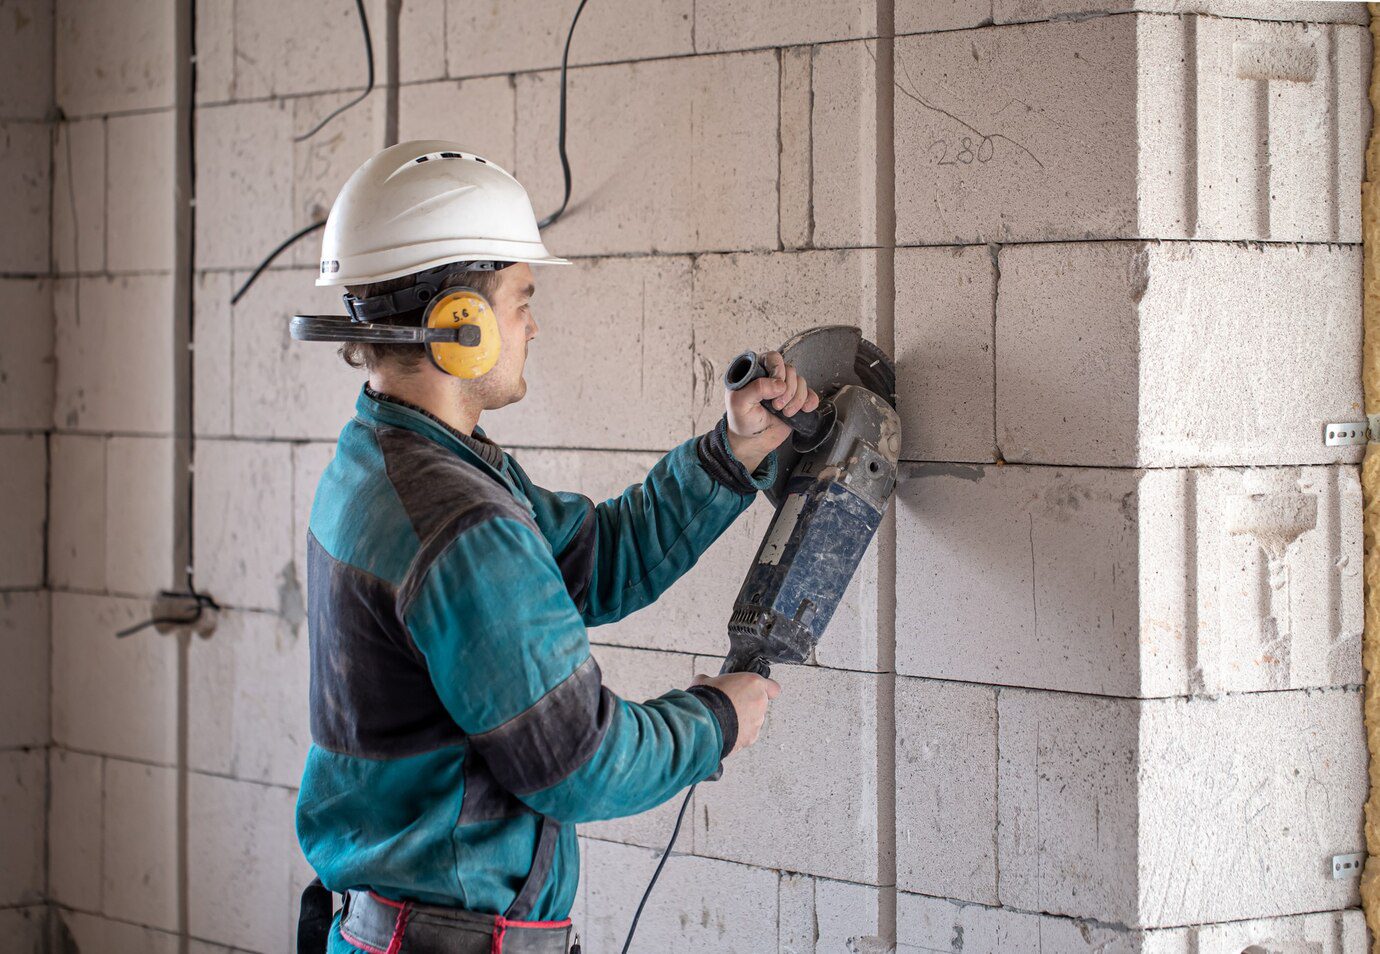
(377,925)
(380,926)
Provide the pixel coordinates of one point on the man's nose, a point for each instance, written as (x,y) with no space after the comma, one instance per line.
(532,328)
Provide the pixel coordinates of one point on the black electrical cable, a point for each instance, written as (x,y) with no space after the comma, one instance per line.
(560,135)
(632,929)
(203,603)
(268,260)
(368,86)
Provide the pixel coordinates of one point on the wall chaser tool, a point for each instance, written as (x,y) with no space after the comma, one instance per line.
(834,479)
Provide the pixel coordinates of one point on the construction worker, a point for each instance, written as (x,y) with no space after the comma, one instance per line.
(460,726)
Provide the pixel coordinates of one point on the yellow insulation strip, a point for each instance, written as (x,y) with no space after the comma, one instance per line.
(1370,484)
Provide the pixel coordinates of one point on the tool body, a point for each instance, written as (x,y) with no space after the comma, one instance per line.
(835,479)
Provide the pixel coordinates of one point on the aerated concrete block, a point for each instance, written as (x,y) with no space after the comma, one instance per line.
(477,113)
(1269,785)
(139,854)
(140,208)
(95,935)
(1256,129)
(76,526)
(945,362)
(1128,583)
(941,926)
(23,489)
(610,364)
(212,353)
(215,52)
(26,60)
(638,675)
(1126,811)
(523,35)
(758,301)
(926,16)
(322,162)
(285,47)
(1016,135)
(24,632)
(248,700)
(76,823)
(722,25)
(1011,11)
(816,916)
(946,799)
(23,797)
(79,180)
(113,338)
(815,763)
(26,364)
(26,927)
(113,696)
(717,905)
(685,159)
(844,133)
(796,155)
(421,42)
(923,16)
(243,521)
(114,57)
(244,182)
(1129,354)
(25,167)
(244,857)
(282,387)
(142,531)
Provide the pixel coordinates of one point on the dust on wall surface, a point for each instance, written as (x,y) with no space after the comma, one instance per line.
(1108,646)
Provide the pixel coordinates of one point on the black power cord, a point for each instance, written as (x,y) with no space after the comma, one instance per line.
(369,55)
(283,246)
(301,233)
(203,603)
(675,832)
(560,135)
(368,86)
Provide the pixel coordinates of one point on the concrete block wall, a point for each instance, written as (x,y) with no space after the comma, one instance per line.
(1096,687)
(26,409)
(113,541)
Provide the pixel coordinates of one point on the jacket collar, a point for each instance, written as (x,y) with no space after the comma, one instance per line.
(381,411)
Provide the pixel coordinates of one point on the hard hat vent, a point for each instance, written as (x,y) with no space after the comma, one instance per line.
(449,155)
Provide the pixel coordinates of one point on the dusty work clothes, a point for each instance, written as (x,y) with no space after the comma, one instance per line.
(454,701)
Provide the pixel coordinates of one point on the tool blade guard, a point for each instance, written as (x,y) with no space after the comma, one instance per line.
(830,496)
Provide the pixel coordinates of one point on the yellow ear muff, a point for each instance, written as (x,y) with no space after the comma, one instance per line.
(477,351)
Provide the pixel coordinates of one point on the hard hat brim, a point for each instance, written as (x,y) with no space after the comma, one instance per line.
(362,271)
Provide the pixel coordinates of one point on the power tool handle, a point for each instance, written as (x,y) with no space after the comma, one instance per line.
(748,367)
(735,663)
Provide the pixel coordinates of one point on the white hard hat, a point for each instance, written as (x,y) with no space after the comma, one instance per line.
(425,203)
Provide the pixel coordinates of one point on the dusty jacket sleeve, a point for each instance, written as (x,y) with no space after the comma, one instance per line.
(508,655)
(620,555)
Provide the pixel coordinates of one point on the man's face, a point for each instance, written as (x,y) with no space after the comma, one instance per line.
(512,303)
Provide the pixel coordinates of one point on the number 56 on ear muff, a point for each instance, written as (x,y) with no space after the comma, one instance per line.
(475,350)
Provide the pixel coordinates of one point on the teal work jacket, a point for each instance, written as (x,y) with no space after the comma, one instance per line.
(455,707)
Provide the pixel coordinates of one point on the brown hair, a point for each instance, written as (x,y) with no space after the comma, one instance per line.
(408,357)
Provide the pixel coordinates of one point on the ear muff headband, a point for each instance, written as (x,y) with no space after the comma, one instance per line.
(458,309)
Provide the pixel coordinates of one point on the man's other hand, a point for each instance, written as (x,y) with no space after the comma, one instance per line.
(749,694)
(752,432)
